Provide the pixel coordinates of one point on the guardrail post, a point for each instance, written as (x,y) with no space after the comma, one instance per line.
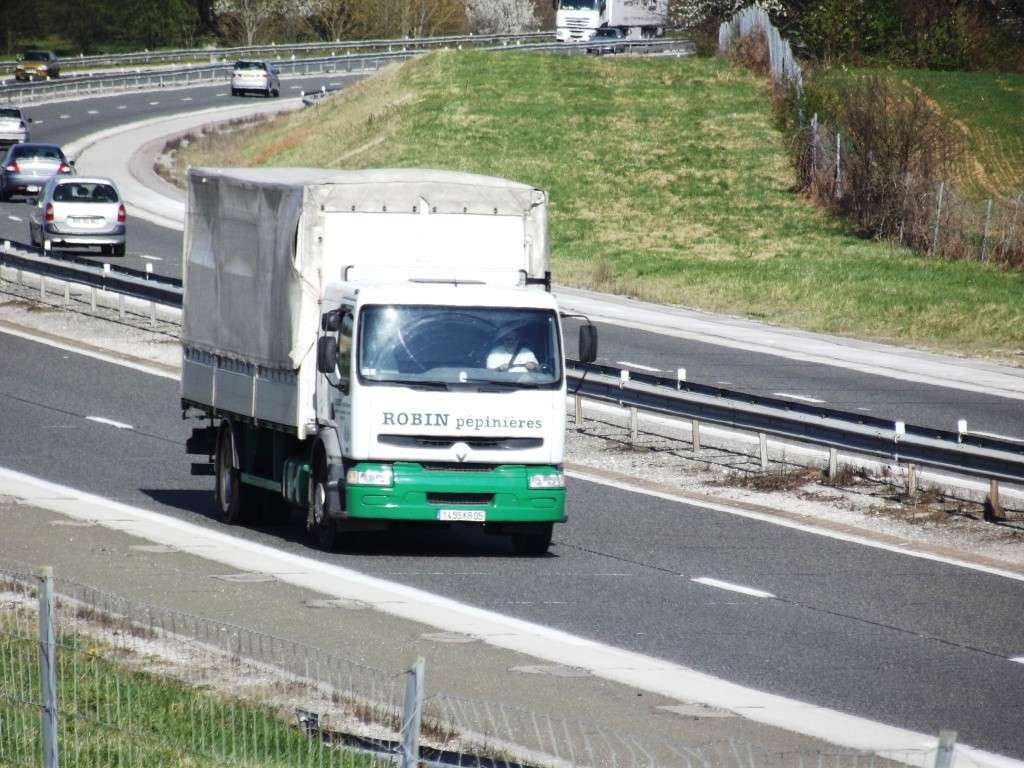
(695,434)
(944,749)
(634,426)
(412,712)
(993,506)
(48,667)
(762,440)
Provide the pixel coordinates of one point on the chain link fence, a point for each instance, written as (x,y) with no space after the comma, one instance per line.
(110,682)
(931,218)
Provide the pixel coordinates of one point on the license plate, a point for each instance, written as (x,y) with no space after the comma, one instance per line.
(32,188)
(462,515)
(87,220)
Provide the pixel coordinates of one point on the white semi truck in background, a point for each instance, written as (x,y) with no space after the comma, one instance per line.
(579,20)
(339,333)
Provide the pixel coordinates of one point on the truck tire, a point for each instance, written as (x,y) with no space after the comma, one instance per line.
(229,495)
(534,542)
(321,529)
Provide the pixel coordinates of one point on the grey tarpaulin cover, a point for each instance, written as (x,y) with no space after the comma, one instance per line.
(254,272)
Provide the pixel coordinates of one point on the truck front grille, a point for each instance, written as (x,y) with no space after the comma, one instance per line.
(478,443)
(474,499)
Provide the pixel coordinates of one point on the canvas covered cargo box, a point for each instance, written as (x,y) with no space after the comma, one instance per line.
(261,245)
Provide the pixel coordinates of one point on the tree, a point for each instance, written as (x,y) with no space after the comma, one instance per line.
(501,16)
(247,18)
(332,19)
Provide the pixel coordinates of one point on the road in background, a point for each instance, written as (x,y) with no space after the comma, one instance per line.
(906,641)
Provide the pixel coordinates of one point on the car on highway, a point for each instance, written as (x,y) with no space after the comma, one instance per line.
(27,167)
(607,40)
(37,65)
(255,77)
(13,125)
(79,212)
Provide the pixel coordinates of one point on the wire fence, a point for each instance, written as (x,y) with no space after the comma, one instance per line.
(115,683)
(931,218)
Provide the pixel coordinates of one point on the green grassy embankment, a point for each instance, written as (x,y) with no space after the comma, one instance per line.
(667,181)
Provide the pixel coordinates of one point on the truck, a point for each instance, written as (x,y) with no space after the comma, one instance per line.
(579,20)
(339,337)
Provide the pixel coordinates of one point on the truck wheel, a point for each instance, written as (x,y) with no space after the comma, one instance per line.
(534,543)
(322,530)
(229,493)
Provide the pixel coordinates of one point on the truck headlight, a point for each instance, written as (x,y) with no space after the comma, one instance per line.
(547,480)
(370,475)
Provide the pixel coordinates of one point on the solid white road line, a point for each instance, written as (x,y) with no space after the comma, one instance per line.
(785,523)
(798,397)
(708,581)
(109,422)
(1018,659)
(553,645)
(94,354)
(639,367)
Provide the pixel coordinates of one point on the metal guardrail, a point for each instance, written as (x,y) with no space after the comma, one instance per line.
(962,453)
(211,73)
(159,290)
(276,51)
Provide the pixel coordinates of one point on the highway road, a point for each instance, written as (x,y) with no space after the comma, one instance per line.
(907,641)
(707,363)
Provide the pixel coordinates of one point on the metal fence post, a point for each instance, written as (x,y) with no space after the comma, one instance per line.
(938,217)
(579,412)
(48,667)
(944,750)
(634,426)
(984,237)
(412,712)
(833,463)
(762,440)
(695,434)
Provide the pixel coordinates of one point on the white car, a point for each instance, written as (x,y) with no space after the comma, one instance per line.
(13,125)
(255,77)
(79,212)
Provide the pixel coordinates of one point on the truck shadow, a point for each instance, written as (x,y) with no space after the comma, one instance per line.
(400,541)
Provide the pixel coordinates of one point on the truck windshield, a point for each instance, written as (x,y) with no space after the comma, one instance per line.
(459,346)
(577,5)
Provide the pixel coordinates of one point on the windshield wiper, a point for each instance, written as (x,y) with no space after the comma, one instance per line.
(483,383)
(417,384)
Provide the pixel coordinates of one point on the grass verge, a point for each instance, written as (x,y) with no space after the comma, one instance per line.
(668,184)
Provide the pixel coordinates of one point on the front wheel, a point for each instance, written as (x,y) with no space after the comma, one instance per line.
(321,529)
(534,542)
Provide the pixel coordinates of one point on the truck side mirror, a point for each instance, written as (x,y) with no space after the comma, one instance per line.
(588,343)
(327,354)
(331,321)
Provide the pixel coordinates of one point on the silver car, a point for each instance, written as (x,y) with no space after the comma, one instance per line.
(13,125)
(27,167)
(255,77)
(79,212)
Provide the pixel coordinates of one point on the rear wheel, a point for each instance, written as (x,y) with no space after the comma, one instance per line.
(533,542)
(229,494)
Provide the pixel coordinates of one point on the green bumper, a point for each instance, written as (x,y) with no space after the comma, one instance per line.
(503,493)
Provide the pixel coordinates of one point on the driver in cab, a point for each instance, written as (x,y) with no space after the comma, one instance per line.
(511,355)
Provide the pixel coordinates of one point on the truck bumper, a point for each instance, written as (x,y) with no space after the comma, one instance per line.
(502,494)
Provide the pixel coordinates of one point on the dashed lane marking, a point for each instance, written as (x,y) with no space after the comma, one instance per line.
(15,218)
(150,258)
(64,117)
(186,98)
(109,422)
(153,103)
(93,112)
(709,582)
(639,367)
(798,397)
(123,106)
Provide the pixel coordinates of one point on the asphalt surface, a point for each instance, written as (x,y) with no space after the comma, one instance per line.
(906,641)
